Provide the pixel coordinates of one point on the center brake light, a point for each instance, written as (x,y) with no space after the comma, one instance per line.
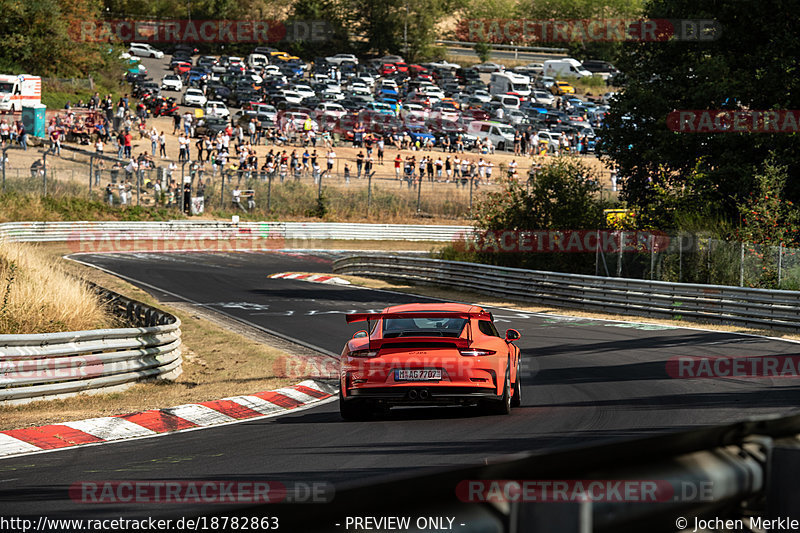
(476,352)
(364,353)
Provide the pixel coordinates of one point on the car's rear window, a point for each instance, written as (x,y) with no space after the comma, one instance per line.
(423,327)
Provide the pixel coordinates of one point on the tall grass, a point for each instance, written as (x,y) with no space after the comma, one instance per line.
(38,296)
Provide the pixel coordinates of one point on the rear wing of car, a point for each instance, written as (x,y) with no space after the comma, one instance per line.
(459,342)
(360,317)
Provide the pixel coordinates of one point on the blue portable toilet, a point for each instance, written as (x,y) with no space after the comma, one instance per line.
(33,118)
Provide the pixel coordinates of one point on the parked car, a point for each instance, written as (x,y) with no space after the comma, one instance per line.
(194,97)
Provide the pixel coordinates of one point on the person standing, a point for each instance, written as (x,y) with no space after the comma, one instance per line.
(359,163)
(398,161)
(162,145)
(331,161)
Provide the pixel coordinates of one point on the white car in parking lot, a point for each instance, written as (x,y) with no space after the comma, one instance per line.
(145,50)
(338,59)
(215,108)
(171,82)
(194,97)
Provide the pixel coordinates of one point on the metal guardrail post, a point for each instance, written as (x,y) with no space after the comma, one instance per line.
(680,257)
(619,254)
(780,262)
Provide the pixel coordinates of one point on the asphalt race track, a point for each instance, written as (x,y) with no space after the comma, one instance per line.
(585,381)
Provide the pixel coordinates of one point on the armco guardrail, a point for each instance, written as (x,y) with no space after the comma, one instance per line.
(754,308)
(55,365)
(86,232)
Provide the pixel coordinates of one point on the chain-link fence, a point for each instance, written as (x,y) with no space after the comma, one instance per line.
(693,258)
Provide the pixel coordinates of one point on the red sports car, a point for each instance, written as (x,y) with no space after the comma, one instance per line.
(428,354)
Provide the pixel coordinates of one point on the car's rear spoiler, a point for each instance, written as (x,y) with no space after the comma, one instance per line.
(360,317)
(458,342)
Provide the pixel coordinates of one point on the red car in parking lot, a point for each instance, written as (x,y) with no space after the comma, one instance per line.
(428,354)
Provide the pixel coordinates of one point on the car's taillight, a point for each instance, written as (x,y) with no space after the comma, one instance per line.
(364,353)
(475,352)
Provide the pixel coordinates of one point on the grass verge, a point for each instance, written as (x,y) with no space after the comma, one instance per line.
(38,296)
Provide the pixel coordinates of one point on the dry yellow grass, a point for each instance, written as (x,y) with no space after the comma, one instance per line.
(38,296)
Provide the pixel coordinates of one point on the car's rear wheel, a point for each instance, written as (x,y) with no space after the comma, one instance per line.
(516,399)
(503,405)
(352,409)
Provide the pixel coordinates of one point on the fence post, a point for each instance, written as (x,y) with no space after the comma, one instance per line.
(91,173)
(369,192)
(471,179)
(741,264)
(180,186)
(222,188)
(652,255)
(619,254)
(5,161)
(419,195)
(780,254)
(680,257)
(597,256)
(44,174)
(269,191)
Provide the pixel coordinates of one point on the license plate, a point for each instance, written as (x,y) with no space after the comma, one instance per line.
(418,375)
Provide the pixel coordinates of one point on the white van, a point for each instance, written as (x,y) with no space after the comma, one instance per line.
(501,135)
(509,82)
(257,61)
(559,68)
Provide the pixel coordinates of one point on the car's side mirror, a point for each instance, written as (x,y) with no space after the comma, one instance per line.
(512,335)
(360,334)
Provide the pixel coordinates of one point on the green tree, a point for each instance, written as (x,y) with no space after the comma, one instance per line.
(562,196)
(483,51)
(751,65)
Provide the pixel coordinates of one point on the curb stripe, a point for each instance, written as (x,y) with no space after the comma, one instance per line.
(256,404)
(295,394)
(110,428)
(231,409)
(278,399)
(53,436)
(154,422)
(199,414)
(10,445)
(312,392)
(159,421)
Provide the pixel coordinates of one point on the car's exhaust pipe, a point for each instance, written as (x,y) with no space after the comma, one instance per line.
(412,394)
(424,394)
